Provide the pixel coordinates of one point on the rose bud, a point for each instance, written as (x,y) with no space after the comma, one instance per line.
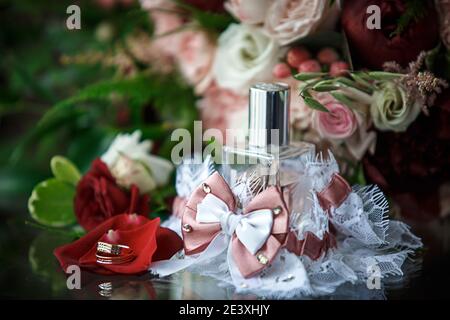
(327,56)
(281,71)
(339,68)
(309,66)
(296,56)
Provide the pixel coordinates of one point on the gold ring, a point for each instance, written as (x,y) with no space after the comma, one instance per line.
(114,259)
(114,249)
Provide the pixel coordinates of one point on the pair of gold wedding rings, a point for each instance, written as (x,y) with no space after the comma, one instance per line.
(108,253)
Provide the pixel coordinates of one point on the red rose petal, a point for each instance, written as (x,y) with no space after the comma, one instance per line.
(148,240)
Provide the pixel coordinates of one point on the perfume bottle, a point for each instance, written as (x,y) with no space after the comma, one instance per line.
(266,158)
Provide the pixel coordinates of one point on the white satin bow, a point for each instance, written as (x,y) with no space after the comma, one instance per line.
(251,229)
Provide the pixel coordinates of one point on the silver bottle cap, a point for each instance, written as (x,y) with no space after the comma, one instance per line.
(269,115)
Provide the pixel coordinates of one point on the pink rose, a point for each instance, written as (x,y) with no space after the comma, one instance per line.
(339,123)
(363,139)
(148,51)
(248,11)
(290,20)
(218,108)
(165,23)
(166,19)
(195,57)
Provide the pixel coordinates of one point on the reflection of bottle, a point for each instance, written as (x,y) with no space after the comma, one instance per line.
(267,159)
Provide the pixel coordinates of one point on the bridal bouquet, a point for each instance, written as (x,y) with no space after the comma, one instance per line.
(366,76)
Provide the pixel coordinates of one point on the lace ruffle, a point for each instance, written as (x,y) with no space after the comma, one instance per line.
(367,244)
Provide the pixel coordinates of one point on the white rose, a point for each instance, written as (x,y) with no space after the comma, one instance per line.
(290,20)
(130,146)
(244,56)
(248,11)
(127,171)
(390,109)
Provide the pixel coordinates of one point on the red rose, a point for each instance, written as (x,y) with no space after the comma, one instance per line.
(98,197)
(418,36)
(145,237)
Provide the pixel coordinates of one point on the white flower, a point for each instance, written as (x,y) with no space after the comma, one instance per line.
(390,109)
(127,171)
(244,56)
(248,11)
(290,20)
(129,146)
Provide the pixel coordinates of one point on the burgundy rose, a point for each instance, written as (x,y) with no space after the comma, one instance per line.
(98,197)
(371,48)
(412,166)
(207,5)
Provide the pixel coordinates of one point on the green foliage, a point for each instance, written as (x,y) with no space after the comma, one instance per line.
(305,76)
(51,203)
(314,104)
(175,104)
(64,170)
(365,82)
(415,10)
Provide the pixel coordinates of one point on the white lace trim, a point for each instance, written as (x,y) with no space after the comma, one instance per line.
(365,238)
(190,175)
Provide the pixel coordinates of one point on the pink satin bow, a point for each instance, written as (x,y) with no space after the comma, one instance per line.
(332,196)
(198,235)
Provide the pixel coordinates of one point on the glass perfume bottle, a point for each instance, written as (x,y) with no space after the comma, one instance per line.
(267,158)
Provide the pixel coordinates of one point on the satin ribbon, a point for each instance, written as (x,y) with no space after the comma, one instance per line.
(255,236)
(214,227)
(335,193)
(311,245)
(332,196)
(178,206)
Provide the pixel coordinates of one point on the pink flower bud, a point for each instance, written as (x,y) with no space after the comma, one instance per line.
(309,66)
(281,71)
(327,56)
(295,56)
(339,68)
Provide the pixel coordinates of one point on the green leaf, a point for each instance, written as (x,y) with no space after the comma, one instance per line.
(314,104)
(64,170)
(382,75)
(51,203)
(361,80)
(304,76)
(325,88)
(343,99)
(414,11)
